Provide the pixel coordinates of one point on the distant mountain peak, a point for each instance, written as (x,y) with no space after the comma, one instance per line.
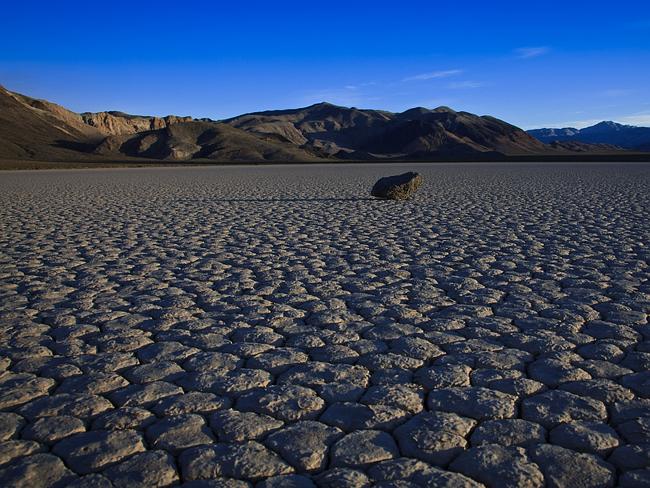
(607,125)
(605,132)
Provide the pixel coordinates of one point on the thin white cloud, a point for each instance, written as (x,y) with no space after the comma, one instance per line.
(531,52)
(642,119)
(459,85)
(434,75)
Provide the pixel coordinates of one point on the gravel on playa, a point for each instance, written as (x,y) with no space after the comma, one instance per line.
(277,326)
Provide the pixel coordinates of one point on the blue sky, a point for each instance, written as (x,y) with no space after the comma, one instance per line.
(535,64)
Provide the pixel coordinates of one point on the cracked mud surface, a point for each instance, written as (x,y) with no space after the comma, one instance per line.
(274,326)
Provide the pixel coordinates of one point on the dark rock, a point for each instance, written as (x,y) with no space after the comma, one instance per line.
(398,187)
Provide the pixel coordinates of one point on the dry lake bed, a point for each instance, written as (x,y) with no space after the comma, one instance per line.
(276,327)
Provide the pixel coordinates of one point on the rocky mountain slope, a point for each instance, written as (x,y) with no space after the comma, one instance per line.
(204,140)
(119,123)
(41,130)
(415,133)
(612,133)
(38,129)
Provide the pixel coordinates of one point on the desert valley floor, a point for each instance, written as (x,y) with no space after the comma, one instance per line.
(275,326)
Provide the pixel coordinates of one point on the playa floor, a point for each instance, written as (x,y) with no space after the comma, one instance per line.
(275,326)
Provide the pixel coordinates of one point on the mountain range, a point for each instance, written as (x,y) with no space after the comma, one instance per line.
(608,132)
(32,129)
